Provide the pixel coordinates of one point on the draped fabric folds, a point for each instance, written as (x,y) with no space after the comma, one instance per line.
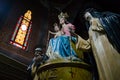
(68,47)
(111,24)
(61,47)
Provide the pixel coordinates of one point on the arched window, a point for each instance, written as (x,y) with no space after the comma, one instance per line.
(22,31)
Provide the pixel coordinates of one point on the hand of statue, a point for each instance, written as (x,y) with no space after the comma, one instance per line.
(49,31)
(94,28)
(98,29)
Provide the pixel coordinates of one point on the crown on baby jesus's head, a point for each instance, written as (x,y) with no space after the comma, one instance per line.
(55,24)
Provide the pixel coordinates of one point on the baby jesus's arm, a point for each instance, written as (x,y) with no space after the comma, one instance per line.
(52,32)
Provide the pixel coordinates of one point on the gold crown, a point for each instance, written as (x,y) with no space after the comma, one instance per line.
(55,24)
(63,15)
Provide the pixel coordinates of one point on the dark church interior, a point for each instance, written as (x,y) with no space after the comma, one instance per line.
(14,60)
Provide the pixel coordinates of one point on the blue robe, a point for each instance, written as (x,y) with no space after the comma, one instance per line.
(62,46)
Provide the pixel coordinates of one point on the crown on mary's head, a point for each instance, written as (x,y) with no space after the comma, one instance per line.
(63,15)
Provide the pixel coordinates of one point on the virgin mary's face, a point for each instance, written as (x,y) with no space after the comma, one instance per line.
(62,20)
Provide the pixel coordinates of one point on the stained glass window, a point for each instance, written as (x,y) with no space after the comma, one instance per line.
(22,31)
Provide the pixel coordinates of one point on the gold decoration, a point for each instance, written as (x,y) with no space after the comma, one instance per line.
(63,15)
(20,38)
(27,15)
(55,24)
